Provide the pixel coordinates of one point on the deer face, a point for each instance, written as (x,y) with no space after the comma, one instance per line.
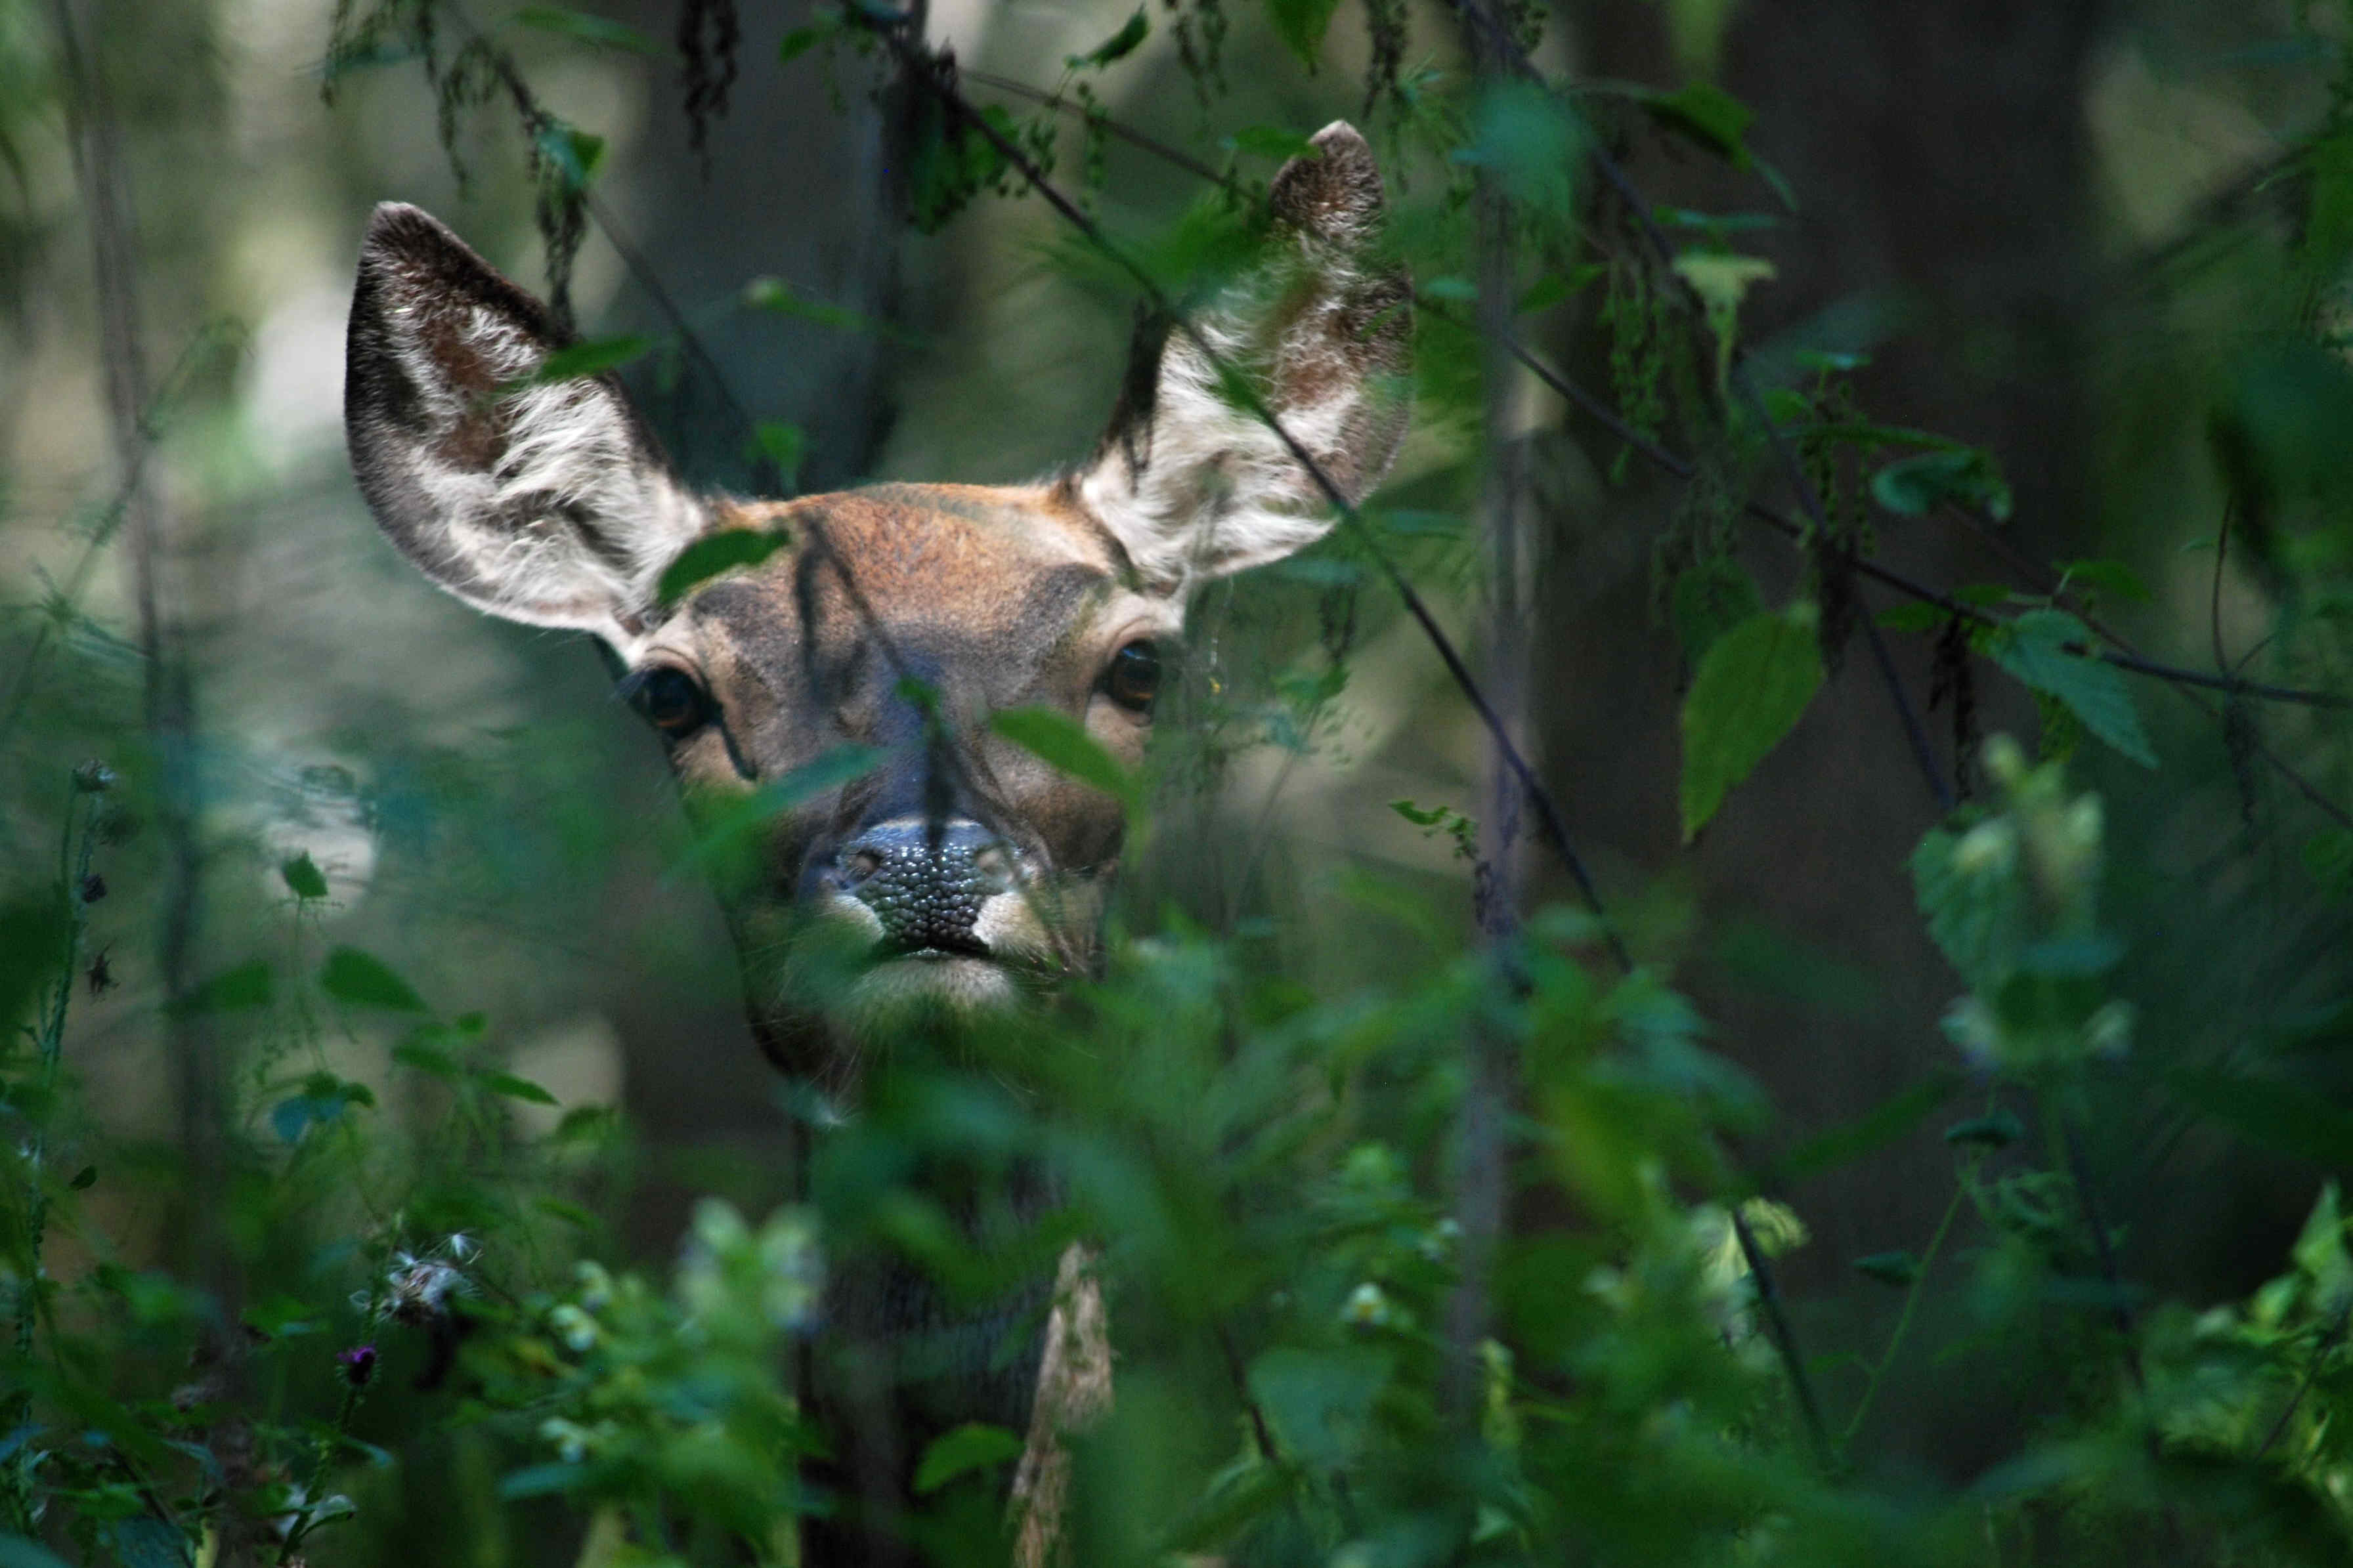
(955,868)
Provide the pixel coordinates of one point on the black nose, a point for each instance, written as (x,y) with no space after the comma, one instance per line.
(925,888)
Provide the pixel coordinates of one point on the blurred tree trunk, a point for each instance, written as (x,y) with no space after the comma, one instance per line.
(1939,161)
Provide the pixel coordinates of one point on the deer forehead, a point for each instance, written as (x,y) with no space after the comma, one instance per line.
(995,596)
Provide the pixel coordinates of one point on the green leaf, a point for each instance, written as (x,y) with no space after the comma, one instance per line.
(728,829)
(1708,601)
(303,875)
(800,40)
(715,554)
(1301,25)
(1897,1268)
(783,445)
(1272,143)
(1118,47)
(1916,485)
(1707,115)
(364,980)
(1998,1131)
(35,934)
(515,1088)
(1913,617)
(246,986)
(971,1446)
(1750,691)
(579,361)
(599,30)
(84,1179)
(2112,577)
(2035,648)
(1063,743)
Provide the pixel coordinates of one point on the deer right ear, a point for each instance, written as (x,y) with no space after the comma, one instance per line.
(1189,478)
(542,501)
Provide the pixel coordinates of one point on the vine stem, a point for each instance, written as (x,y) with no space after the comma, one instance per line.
(1903,1325)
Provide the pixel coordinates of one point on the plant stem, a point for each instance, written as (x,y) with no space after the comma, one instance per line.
(1903,1326)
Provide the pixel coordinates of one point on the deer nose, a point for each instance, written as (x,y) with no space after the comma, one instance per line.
(927,885)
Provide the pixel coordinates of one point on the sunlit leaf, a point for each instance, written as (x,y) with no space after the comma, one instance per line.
(1063,743)
(715,554)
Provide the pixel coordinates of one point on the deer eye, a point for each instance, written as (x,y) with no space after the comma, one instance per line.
(1133,678)
(672,701)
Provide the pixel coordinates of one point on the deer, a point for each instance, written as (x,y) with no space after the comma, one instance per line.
(962,873)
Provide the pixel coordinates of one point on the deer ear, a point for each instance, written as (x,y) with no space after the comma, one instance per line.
(542,501)
(1188,478)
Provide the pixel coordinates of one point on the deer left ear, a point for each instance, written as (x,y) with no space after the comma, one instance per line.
(1188,478)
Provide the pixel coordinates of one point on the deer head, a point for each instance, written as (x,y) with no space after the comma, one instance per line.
(898,618)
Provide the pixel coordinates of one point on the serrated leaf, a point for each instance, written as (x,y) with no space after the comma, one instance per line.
(1708,601)
(1916,485)
(1301,25)
(715,554)
(599,30)
(364,980)
(1063,743)
(1118,47)
(1708,115)
(1753,685)
(515,1088)
(303,876)
(1897,1268)
(2035,649)
(969,1448)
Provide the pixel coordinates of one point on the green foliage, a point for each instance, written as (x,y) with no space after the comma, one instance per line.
(1752,686)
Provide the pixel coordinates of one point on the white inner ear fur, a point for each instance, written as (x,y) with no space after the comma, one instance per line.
(1216,490)
(571,524)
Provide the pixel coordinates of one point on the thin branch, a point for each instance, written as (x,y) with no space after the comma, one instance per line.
(1785,1337)
(1550,822)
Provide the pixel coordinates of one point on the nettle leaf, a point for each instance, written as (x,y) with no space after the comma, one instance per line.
(1998,1130)
(718,553)
(303,878)
(1898,1268)
(1272,143)
(971,1446)
(599,31)
(1120,45)
(1916,485)
(730,830)
(1708,115)
(364,980)
(1063,743)
(1301,25)
(516,1088)
(2035,648)
(1753,685)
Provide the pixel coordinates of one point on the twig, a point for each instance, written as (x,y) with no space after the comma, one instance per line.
(1553,827)
(1902,1324)
(1785,1337)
